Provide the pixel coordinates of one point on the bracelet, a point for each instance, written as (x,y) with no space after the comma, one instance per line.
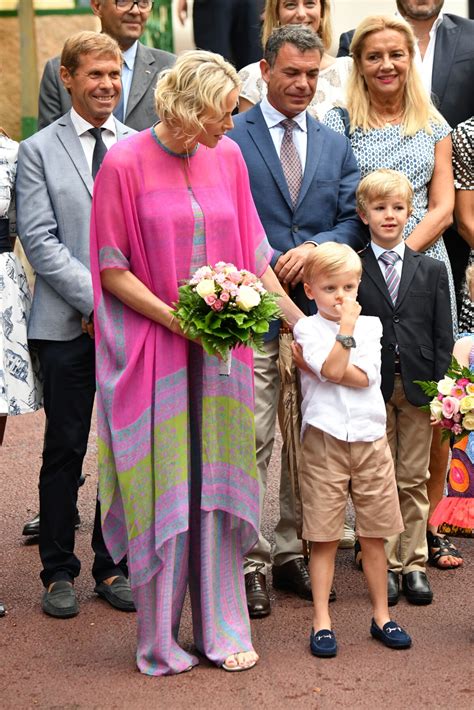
(169,326)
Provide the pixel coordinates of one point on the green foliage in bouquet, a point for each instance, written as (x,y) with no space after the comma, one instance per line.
(221,330)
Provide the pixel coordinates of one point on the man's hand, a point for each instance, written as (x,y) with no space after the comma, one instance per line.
(182,10)
(88,326)
(289,267)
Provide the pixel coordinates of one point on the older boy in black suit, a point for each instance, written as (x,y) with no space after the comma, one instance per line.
(408,291)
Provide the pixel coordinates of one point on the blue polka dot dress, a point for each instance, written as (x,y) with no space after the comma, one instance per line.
(414,156)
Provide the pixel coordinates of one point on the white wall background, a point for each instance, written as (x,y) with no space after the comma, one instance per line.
(346,14)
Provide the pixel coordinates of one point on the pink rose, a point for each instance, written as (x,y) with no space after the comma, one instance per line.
(463,381)
(447,423)
(450,407)
(210,300)
(217,305)
(234,276)
(224,296)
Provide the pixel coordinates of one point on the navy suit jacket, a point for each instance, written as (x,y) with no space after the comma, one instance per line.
(325,210)
(452,84)
(420,323)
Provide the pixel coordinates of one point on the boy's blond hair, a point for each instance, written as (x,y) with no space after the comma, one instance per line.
(329,258)
(381,184)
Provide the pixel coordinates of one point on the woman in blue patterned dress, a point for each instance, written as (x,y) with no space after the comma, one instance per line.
(19,392)
(392,123)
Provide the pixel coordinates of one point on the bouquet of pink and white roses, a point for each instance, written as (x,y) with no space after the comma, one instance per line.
(225,307)
(452,406)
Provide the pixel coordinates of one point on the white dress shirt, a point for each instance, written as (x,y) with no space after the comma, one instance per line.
(425,64)
(109,135)
(378,251)
(300,135)
(347,413)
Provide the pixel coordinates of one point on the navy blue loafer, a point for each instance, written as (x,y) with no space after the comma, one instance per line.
(391,635)
(323,643)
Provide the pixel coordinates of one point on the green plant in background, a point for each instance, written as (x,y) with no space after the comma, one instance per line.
(159,28)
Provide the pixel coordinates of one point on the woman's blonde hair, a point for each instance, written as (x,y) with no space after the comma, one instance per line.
(271,20)
(418,108)
(195,86)
(330,257)
(381,184)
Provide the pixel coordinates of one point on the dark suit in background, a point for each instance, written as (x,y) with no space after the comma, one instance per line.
(54,100)
(230,28)
(420,327)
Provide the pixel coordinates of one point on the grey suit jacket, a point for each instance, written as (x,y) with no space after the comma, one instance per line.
(54,197)
(54,100)
(452,83)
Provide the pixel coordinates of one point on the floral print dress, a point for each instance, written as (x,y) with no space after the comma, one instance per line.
(20,390)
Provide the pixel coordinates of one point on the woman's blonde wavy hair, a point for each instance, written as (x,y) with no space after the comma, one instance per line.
(193,88)
(419,111)
(271,20)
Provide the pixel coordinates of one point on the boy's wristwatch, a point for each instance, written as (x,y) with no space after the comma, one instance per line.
(347,341)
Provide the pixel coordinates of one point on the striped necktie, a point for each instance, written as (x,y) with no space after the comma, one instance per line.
(392,279)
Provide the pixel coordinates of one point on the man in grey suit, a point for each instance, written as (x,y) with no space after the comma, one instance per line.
(125,21)
(303,180)
(55,175)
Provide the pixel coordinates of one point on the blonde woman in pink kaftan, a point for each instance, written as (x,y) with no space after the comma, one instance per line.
(177,474)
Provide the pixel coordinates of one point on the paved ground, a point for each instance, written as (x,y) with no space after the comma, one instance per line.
(88,662)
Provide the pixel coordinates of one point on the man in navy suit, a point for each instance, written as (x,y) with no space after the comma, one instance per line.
(446,62)
(304,191)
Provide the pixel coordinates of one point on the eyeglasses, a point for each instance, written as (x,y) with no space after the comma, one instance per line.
(127,5)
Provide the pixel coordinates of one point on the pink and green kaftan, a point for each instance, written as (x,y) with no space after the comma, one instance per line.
(143,221)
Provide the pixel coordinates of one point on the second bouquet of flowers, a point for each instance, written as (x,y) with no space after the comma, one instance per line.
(452,406)
(225,307)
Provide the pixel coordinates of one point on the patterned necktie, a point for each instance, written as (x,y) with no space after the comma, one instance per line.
(290,160)
(100,149)
(389,258)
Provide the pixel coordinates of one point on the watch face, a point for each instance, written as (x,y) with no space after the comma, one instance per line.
(347,341)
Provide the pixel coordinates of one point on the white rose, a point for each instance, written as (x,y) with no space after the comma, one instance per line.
(436,409)
(247,298)
(206,287)
(446,385)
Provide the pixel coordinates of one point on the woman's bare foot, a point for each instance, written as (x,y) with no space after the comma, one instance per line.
(439,549)
(242,661)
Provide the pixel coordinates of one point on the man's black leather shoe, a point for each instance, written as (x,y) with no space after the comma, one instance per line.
(293,576)
(258,601)
(393,587)
(416,588)
(61,601)
(32,527)
(118,593)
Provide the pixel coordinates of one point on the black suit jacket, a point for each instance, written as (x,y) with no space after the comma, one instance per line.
(420,323)
(453,67)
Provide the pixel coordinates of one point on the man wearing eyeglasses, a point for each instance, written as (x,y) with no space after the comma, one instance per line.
(125,21)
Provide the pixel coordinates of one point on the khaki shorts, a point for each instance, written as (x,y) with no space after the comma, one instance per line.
(329,469)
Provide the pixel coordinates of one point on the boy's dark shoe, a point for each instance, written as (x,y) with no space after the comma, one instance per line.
(391,635)
(393,587)
(416,588)
(258,601)
(61,601)
(323,643)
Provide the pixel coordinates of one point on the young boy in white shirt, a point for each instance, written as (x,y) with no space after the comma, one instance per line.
(344,444)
